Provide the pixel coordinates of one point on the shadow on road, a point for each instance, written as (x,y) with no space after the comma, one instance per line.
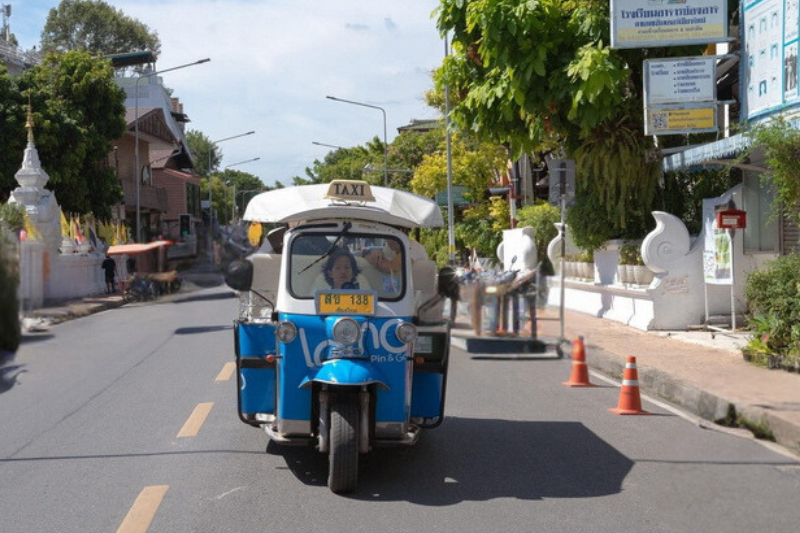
(200,329)
(227,295)
(9,371)
(470,459)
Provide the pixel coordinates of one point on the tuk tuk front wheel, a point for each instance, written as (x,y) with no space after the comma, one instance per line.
(343,454)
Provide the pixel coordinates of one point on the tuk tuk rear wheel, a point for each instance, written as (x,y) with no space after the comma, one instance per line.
(343,455)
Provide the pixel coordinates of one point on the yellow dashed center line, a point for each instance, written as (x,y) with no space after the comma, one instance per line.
(143,510)
(196,419)
(226,372)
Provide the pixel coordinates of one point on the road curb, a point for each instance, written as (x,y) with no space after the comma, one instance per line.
(697,401)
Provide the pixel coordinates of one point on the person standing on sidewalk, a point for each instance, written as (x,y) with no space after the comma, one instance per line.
(110,268)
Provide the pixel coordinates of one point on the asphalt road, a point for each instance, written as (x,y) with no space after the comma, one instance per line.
(127,418)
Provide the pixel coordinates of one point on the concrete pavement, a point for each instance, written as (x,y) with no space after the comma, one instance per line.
(702,373)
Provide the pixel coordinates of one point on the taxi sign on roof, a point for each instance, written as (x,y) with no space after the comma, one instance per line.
(350,191)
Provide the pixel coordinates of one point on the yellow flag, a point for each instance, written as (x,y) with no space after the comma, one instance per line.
(64,225)
(31,230)
(254,233)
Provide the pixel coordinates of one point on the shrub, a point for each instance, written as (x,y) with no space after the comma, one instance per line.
(629,255)
(9,304)
(773,299)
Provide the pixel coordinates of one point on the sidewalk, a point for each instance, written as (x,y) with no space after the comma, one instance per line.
(705,376)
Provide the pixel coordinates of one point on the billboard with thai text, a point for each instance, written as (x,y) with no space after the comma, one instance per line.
(651,23)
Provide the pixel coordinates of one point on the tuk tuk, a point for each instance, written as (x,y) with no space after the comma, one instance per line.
(341,341)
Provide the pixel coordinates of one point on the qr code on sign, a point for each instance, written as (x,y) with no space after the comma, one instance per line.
(659,121)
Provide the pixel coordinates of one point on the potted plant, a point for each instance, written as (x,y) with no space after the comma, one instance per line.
(585,261)
(642,274)
(570,265)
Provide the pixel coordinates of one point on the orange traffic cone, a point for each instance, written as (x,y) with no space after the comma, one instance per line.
(630,403)
(580,373)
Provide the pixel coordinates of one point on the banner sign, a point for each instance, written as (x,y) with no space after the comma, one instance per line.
(656,23)
(770,71)
(717,248)
(679,120)
(680,80)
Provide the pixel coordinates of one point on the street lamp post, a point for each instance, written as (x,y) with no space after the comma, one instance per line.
(385,144)
(233,204)
(328,145)
(210,189)
(136,171)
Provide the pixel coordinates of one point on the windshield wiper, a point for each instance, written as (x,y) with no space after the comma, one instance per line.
(345,229)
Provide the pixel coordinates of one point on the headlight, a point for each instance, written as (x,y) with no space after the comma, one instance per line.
(406,332)
(346,331)
(286,331)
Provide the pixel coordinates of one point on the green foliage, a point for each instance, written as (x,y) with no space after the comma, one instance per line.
(684,192)
(773,298)
(12,131)
(96,27)
(347,164)
(435,242)
(780,142)
(77,110)
(9,283)
(612,166)
(407,151)
(474,166)
(630,255)
(542,217)
(540,75)
(12,216)
(201,148)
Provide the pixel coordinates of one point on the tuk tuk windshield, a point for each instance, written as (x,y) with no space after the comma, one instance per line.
(351,261)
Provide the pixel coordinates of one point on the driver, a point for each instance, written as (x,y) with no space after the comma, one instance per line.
(341,272)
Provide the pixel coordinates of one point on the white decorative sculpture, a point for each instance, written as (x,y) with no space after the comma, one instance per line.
(667,245)
(518,250)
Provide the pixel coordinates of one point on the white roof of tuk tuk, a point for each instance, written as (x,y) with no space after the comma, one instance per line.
(308,202)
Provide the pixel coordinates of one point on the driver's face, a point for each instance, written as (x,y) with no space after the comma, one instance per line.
(341,272)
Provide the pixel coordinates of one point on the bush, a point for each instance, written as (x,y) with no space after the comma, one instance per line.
(542,217)
(773,299)
(9,305)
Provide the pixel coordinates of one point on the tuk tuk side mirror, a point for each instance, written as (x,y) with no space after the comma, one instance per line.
(239,275)
(448,283)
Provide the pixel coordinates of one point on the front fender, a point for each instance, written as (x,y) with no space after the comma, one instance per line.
(345,372)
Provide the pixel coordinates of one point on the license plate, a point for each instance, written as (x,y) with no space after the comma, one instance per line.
(345,302)
(423,344)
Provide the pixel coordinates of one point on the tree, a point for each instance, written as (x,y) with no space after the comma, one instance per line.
(201,147)
(12,132)
(407,151)
(246,186)
(344,164)
(78,111)
(540,76)
(96,27)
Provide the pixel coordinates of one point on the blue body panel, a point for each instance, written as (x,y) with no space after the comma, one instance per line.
(258,390)
(257,383)
(426,394)
(305,359)
(346,372)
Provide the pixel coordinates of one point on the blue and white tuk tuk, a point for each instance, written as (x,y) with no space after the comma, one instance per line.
(340,341)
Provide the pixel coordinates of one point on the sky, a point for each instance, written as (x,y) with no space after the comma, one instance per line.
(273,62)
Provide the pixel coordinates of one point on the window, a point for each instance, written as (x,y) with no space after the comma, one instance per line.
(358,262)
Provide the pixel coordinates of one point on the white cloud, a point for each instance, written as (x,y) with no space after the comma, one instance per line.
(273,63)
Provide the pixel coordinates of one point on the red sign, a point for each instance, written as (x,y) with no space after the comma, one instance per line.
(732,219)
